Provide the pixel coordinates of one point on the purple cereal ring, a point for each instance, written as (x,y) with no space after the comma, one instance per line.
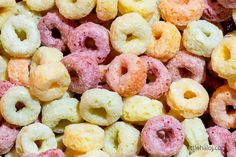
(228,3)
(162,136)
(186,65)
(51,22)
(158,76)
(231,145)
(84,72)
(215,12)
(90,39)
(4,86)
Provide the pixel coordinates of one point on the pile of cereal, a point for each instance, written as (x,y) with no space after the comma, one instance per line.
(117,78)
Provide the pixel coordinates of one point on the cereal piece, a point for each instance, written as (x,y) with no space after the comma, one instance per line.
(4,86)
(176,115)
(138,109)
(3,68)
(83,137)
(72,153)
(40,5)
(130,33)
(49,81)
(234,15)
(20,36)
(35,138)
(231,153)
(227,3)
(158,76)
(232,83)
(60,113)
(222,106)
(54,30)
(93,153)
(188,98)
(211,152)
(165,41)
(162,136)
(183,152)
(8,8)
(126,74)
(75,9)
(230,145)
(12,153)
(52,153)
(100,106)
(121,139)
(155,17)
(107,9)
(90,39)
(201,37)
(18,71)
(84,72)
(186,65)
(18,107)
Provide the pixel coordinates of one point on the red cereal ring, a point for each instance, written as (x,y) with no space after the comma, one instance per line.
(4,86)
(84,72)
(126,74)
(162,136)
(158,76)
(186,65)
(51,22)
(231,145)
(90,39)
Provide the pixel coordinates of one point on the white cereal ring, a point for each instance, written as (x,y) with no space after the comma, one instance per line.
(107,9)
(8,8)
(12,99)
(183,152)
(40,5)
(20,36)
(3,68)
(93,153)
(100,106)
(211,151)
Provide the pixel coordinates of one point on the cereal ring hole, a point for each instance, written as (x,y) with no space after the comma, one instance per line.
(21,34)
(189,94)
(150,77)
(116,140)
(124,70)
(226,53)
(90,43)
(39,143)
(230,109)
(56,33)
(19,106)
(130,37)
(62,124)
(100,112)
(158,35)
(207,34)
(165,135)
(54,85)
(185,73)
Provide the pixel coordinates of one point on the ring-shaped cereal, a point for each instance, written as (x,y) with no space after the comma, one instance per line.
(130,33)
(90,39)
(162,136)
(28,137)
(40,5)
(93,153)
(75,10)
(48,153)
(165,41)
(4,86)
(186,65)
(3,68)
(227,3)
(188,97)
(100,106)
(183,152)
(8,9)
(107,9)
(126,74)
(24,44)
(211,151)
(181,12)
(201,37)
(230,145)
(221,103)
(162,78)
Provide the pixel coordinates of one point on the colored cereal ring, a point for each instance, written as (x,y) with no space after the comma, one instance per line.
(10,102)
(183,152)
(100,106)
(186,65)
(126,74)
(230,145)
(48,153)
(165,41)
(28,137)
(93,153)
(130,33)
(180,12)
(83,137)
(162,136)
(84,72)
(220,107)
(107,9)
(201,37)
(138,109)
(40,5)
(51,22)
(121,139)
(227,3)
(210,152)
(8,9)
(4,86)
(75,10)
(71,153)
(90,39)
(49,81)
(3,68)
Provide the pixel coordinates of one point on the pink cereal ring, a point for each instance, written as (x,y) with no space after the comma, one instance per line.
(228,3)
(84,72)
(231,145)
(186,65)
(162,136)
(161,78)
(48,153)
(4,86)
(126,74)
(90,39)
(54,21)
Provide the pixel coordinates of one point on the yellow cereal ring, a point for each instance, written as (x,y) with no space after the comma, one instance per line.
(28,137)
(49,81)
(83,137)
(3,68)
(188,97)
(138,109)
(176,115)
(71,153)
(165,42)
(8,8)
(183,152)
(130,33)
(75,10)
(107,9)
(40,5)
(93,153)
(210,152)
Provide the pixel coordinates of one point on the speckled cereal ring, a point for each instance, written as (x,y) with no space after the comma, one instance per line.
(165,41)
(126,74)
(230,145)
(221,101)
(186,65)
(3,68)
(227,3)
(107,9)
(181,12)
(162,136)
(160,85)
(131,37)
(90,39)
(54,21)
(40,5)
(4,86)
(8,9)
